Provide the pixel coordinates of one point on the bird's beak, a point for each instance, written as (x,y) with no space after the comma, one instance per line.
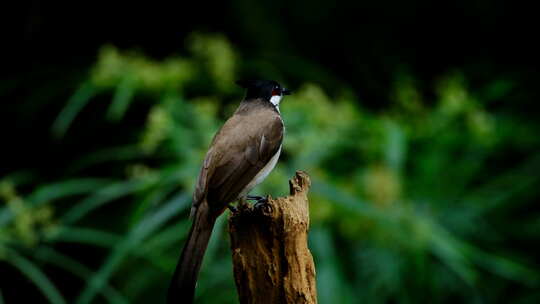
(286,92)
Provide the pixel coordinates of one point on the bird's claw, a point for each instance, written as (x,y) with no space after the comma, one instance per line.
(232,208)
(256,198)
(259,200)
(261,203)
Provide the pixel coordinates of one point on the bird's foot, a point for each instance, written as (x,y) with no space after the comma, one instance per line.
(242,205)
(232,208)
(261,203)
(256,198)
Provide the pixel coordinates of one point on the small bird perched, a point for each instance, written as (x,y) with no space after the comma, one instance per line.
(242,154)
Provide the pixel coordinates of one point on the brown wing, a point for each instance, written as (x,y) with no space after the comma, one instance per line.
(242,147)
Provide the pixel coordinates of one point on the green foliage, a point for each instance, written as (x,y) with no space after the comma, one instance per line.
(408,204)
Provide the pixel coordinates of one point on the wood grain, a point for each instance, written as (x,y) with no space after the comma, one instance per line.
(271,259)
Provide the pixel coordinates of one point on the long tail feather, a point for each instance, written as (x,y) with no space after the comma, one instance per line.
(182,287)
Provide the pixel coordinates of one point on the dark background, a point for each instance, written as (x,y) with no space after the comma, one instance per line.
(363,44)
(357,47)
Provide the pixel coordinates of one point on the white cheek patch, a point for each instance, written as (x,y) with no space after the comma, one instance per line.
(275,100)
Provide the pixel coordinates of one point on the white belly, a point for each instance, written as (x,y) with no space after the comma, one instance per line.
(262,174)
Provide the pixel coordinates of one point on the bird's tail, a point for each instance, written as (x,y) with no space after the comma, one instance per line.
(182,287)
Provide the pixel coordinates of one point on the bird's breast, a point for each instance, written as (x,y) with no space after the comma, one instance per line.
(261,175)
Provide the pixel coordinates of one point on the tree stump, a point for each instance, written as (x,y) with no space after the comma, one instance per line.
(271,260)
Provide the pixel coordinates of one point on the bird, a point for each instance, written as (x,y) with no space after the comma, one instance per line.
(241,155)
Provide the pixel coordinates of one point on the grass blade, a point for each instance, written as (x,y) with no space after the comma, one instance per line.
(141,231)
(36,276)
(503,266)
(74,105)
(53,257)
(54,191)
(104,196)
(122,97)
(111,154)
(67,188)
(85,236)
(330,277)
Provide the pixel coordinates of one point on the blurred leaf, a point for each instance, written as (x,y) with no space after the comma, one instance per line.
(85,236)
(396,146)
(66,188)
(148,225)
(449,251)
(53,257)
(36,276)
(103,196)
(497,89)
(54,191)
(499,189)
(345,200)
(162,241)
(331,286)
(74,105)
(109,154)
(122,97)
(504,267)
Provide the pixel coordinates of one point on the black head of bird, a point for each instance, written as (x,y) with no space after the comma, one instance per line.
(269,90)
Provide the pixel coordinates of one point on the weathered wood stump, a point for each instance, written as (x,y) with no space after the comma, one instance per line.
(271,260)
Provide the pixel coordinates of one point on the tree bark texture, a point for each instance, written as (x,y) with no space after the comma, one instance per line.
(271,260)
